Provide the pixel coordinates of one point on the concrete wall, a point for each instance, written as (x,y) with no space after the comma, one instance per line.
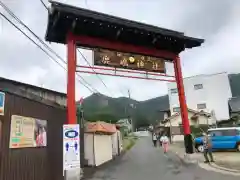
(215,93)
(103,149)
(89,148)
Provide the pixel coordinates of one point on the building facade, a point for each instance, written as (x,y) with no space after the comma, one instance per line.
(196,119)
(209,93)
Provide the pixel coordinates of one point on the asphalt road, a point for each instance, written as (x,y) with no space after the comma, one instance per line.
(144,162)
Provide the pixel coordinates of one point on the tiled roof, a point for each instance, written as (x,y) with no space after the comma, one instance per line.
(63,18)
(100,127)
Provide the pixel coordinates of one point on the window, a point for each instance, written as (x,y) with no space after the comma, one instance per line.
(227,132)
(215,133)
(174,91)
(198,86)
(230,132)
(238,132)
(202,106)
(176,109)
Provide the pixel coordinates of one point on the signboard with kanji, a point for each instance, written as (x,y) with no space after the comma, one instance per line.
(102,57)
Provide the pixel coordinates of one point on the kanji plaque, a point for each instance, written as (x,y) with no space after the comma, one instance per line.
(115,59)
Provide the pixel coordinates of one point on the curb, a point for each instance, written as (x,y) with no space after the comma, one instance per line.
(224,169)
(212,165)
(186,160)
(209,167)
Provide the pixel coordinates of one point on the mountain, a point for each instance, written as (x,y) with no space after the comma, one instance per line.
(101,107)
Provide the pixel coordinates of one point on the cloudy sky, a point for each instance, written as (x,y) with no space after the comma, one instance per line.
(217,21)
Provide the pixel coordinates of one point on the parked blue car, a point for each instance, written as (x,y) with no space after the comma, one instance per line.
(222,139)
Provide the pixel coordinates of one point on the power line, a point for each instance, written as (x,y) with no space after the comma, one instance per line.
(49,55)
(44,4)
(85,59)
(51,50)
(30,39)
(22,23)
(86,3)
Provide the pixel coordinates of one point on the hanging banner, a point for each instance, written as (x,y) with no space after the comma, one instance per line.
(71,146)
(2,103)
(27,132)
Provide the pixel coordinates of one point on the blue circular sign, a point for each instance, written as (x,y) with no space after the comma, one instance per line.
(71,134)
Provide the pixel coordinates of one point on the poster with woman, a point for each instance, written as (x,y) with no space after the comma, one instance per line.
(40,133)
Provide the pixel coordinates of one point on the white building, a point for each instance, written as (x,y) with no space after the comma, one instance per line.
(209,93)
(125,123)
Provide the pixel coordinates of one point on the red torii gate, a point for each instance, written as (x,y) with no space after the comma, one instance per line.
(79,27)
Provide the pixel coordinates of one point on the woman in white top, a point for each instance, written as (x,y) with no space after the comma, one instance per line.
(165,143)
(154,138)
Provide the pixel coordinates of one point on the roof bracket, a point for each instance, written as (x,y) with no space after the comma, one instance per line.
(55,20)
(74,23)
(118,33)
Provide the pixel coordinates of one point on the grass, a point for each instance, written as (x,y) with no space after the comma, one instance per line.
(129,142)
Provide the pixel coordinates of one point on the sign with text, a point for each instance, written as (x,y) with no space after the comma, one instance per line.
(102,57)
(27,132)
(71,146)
(2,103)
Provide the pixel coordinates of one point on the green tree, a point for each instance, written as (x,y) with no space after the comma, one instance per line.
(101,116)
(106,117)
(140,121)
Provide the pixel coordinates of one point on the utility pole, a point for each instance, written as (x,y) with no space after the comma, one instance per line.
(130,106)
(80,119)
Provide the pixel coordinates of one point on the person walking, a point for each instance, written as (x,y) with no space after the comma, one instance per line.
(154,138)
(159,139)
(207,145)
(165,143)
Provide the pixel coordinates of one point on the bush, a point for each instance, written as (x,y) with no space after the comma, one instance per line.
(131,143)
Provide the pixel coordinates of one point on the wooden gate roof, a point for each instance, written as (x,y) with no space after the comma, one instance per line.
(63,18)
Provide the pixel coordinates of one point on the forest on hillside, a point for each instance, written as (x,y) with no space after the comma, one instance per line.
(100,107)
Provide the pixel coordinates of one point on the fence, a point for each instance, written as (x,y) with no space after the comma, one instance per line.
(34,163)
